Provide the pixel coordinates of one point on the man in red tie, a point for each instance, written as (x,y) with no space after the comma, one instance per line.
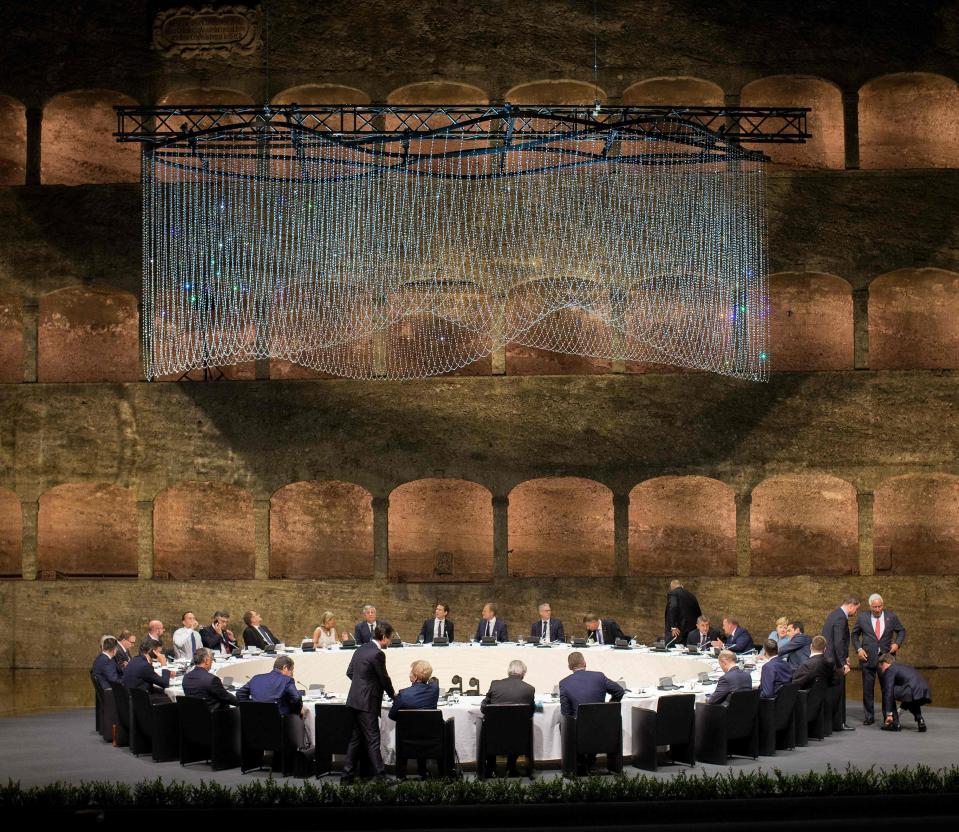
(875,632)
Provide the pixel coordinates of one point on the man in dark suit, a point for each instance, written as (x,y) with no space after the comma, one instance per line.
(817,666)
(584,687)
(602,630)
(207,686)
(139,673)
(490,625)
(217,636)
(420,695)
(368,681)
(126,647)
(276,686)
(509,691)
(547,628)
(874,633)
(796,650)
(733,679)
(682,610)
(257,634)
(738,639)
(363,631)
(904,683)
(775,672)
(703,635)
(836,632)
(105,669)
(439,626)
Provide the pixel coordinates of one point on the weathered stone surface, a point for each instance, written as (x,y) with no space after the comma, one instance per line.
(11,340)
(11,532)
(13,146)
(810,323)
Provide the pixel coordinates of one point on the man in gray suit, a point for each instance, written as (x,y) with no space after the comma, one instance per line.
(733,679)
(509,691)
(875,632)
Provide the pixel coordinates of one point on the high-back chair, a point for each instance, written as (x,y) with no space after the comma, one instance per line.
(777,724)
(262,729)
(505,730)
(121,703)
(728,729)
(208,736)
(154,727)
(423,734)
(672,724)
(596,729)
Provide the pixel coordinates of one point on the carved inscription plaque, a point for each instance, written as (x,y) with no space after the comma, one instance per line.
(187,32)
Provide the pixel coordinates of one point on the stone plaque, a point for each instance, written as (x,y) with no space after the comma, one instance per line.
(187,32)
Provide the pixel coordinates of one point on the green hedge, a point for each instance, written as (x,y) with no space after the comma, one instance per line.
(274,793)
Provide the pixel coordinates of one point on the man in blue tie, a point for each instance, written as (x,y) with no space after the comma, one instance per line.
(738,639)
(363,632)
(186,640)
(490,626)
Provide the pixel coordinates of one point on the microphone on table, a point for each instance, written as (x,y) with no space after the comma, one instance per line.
(670,641)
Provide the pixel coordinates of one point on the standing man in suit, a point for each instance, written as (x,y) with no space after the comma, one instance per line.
(186,640)
(207,686)
(703,635)
(738,639)
(601,630)
(733,678)
(257,634)
(420,695)
(796,650)
(836,631)
(105,669)
(905,683)
(139,674)
(363,631)
(490,625)
(218,637)
(509,691)
(584,687)
(682,610)
(439,626)
(126,649)
(817,666)
(875,632)
(368,681)
(547,629)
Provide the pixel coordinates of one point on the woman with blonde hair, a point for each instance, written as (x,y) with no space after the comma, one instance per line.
(779,634)
(325,634)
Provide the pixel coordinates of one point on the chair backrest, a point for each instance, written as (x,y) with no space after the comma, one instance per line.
(333,726)
(142,710)
(675,716)
(196,720)
(816,697)
(506,728)
(261,726)
(741,713)
(97,690)
(785,704)
(121,696)
(599,727)
(419,733)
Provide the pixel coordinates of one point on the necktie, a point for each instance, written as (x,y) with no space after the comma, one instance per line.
(599,634)
(878,634)
(489,629)
(546,630)
(193,641)
(265,636)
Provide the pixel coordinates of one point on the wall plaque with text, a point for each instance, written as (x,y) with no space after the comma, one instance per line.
(188,32)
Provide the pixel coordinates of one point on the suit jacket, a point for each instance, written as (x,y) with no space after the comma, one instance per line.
(695,639)
(139,675)
(105,671)
(510,691)
(362,633)
(836,632)
(611,632)
(208,687)
(740,641)
(796,650)
(499,630)
(733,679)
(427,630)
(584,687)
(252,637)
(905,683)
(122,658)
(556,631)
(215,641)
(682,610)
(864,635)
(369,679)
(417,697)
(272,687)
(815,667)
(773,676)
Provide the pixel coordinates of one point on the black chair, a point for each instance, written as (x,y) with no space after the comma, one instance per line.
(832,702)
(121,704)
(263,729)
(673,723)
(333,726)
(811,713)
(596,729)
(423,735)
(777,723)
(729,729)
(505,730)
(208,736)
(154,727)
(97,703)
(105,707)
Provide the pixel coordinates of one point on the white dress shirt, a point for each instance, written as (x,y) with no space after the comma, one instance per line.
(439,628)
(186,641)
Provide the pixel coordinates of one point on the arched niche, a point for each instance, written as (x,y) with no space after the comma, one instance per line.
(680,89)
(86,529)
(437,92)
(826,147)
(203,530)
(13,145)
(534,361)
(77,145)
(555,91)
(914,320)
(88,333)
(441,530)
(804,524)
(322,94)
(205,95)
(561,527)
(321,530)
(810,322)
(916,525)
(11,535)
(446,343)
(909,120)
(11,340)
(682,526)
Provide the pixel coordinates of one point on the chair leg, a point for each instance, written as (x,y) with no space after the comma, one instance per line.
(401,768)
(251,759)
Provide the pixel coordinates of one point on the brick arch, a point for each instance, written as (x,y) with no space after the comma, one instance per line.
(555,91)
(682,526)
(810,324)
(13,147)
(11,535)
(914,320)
(77,144)
(804,524)
(88,333)
(441,529)
(561,526)
(826,147)
(11,340)
(321,530)
(203,530)
(438,92)
(87,529)
(322,94)
(679,89)
(916,525)
(205,95)
(909,120)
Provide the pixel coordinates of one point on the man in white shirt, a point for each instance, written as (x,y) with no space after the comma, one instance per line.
(439,626)
(547,628)
(186,639)
(489,627)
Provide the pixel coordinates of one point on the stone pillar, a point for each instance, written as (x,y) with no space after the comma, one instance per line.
(29,510)
(743,534)
(145,540)
(498,358)
(261,537)
(867,559)
(381,535)
(34,133)
(500,537)
(860,328)
(850,119)
(621,535)
(31,318)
